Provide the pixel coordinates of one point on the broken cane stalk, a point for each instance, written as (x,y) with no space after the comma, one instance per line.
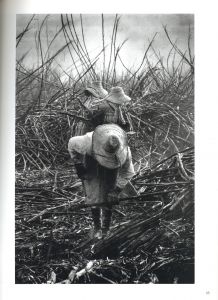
(116,202)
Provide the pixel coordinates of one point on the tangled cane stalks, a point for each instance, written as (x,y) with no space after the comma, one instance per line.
(156,234)
(152,236)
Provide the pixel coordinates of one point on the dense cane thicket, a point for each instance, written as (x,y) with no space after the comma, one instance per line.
(152,236)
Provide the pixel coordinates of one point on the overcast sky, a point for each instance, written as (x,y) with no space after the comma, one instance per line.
(138,29)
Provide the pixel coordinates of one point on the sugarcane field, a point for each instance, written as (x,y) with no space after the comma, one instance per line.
(104,183)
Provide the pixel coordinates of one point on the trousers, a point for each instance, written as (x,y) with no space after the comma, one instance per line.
(100,181)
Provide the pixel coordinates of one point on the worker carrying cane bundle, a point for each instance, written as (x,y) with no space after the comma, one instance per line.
(93,91)
(103,162)
(103,108)
(112,109)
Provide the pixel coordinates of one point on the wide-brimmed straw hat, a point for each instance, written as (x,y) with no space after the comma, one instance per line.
(117,95)
(109,146)
(96,89)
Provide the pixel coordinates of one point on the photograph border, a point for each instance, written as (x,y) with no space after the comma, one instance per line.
(206,249)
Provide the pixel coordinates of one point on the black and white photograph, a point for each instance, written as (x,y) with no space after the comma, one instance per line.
(104,149)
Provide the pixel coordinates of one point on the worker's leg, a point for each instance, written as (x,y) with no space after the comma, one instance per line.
(106,219)
(109,179)
(96,222)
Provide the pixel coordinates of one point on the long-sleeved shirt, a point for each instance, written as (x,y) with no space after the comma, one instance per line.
(79,146)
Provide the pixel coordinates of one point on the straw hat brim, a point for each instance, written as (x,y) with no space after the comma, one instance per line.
(99,140)
(124,99)
(100,93)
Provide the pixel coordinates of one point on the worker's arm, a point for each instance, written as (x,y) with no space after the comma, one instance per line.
(126,172)
(78,160)
(78,147)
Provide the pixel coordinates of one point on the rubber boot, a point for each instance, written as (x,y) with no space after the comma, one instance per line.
(107,216)
(97,223)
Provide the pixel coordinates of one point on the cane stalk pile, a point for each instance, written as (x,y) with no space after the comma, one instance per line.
(152,236)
